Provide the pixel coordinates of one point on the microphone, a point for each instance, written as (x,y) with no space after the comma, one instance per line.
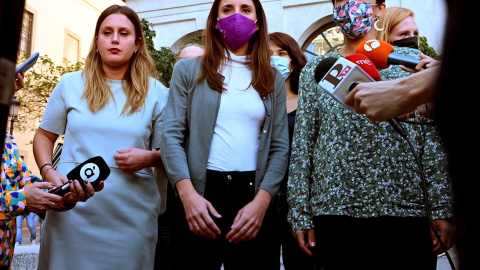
(323,67)
(344,75)
(365,64)
(382,54)
(94,170)
(341,76)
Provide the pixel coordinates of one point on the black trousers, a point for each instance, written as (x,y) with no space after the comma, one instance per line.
(373,243)
(228,192)
(293,257)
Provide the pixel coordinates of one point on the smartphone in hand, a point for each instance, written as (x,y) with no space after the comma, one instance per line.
(28,63)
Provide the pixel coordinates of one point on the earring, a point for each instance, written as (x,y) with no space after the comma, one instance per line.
(135,52)
(376,26)
(97,50)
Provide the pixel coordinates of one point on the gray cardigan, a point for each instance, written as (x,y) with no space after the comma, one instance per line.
(189,123)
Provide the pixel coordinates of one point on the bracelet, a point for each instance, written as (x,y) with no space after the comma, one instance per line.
(44,166)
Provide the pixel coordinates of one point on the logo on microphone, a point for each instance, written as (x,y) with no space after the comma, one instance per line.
(90,172)
(345,71)
(371,45)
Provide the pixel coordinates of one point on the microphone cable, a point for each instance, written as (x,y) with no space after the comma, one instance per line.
(401,131)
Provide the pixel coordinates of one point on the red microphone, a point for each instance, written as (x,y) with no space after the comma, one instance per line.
(364,63)
(382,54)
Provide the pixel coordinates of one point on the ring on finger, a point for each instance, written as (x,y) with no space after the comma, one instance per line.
(195,225)
(53,204)
(245,229)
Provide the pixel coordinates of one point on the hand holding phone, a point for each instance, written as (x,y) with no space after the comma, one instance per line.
(94,170)
(28,63)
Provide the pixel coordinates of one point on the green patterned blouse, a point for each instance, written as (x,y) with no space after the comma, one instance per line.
(342,163)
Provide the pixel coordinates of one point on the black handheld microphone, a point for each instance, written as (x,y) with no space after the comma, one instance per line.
(323,67)
(382,54)
(94,170)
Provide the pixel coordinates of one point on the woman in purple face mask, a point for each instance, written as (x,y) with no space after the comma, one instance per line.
(225,144)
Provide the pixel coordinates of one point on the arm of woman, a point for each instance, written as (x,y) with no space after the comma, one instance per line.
(43,143)
(384,100)
(198,210)
(249,219)
(131,160)
(25,192)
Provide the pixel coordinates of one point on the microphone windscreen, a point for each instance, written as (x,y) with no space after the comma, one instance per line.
(323,67)
(377,51)
(364,63)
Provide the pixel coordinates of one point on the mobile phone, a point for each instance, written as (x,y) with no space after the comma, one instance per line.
(28,63)
(94,170)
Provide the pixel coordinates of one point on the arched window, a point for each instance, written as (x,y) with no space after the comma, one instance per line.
(326,39)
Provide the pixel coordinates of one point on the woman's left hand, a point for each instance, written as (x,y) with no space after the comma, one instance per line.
(77,194)
(131,160)
(249,219)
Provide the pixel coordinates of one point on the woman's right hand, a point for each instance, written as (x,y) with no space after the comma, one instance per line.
(54,177)
(306,240)
(425,62)
(198,210)
(76,193)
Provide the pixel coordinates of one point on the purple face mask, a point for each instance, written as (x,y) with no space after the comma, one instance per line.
(236,30)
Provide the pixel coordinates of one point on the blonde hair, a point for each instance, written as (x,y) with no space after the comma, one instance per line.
(136,79)
(391,18)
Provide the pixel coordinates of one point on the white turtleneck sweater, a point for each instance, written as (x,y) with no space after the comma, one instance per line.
(239,121)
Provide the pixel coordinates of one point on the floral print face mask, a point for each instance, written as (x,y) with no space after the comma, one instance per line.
(355,18)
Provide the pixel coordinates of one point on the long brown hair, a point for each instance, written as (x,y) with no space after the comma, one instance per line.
(289,44)
(258,59)
(97,92)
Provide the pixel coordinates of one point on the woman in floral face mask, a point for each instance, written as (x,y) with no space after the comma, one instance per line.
(354,183)
(225,142)
(357,19)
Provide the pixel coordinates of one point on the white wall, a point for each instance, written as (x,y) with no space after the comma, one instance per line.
(52,19)
(173,21)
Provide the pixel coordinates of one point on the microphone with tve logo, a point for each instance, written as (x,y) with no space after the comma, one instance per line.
(382,54)
(339,77)
(344,75)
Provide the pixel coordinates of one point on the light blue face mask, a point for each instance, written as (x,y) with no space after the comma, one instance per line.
(282,64)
